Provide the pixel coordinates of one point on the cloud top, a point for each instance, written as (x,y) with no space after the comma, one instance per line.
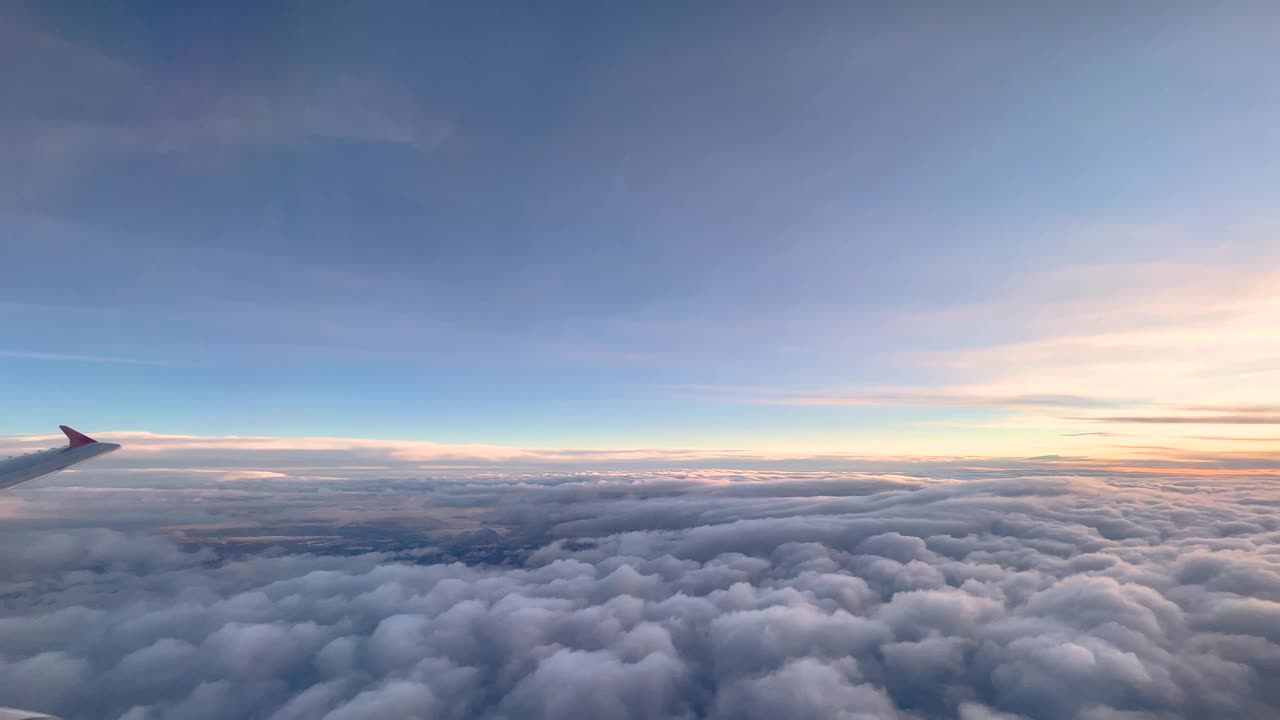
(730,596)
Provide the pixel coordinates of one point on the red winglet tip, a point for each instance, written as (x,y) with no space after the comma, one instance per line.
(77,439)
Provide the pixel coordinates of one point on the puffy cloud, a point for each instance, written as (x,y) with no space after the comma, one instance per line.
(716,595)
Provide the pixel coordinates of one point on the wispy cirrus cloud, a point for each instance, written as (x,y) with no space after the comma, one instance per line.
(1151,348)
(1186,419)
(1166,332)
(189,112)
(943,397)
(1229,438)
(1246,408)
(75,357)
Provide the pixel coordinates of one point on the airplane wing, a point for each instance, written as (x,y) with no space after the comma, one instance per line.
(19,469)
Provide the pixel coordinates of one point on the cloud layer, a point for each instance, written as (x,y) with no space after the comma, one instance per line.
(709,595)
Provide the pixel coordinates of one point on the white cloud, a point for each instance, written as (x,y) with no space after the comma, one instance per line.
(740,596)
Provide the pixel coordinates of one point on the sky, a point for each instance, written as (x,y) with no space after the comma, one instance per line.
(698,230)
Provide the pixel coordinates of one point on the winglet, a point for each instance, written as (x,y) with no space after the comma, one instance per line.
(77,439)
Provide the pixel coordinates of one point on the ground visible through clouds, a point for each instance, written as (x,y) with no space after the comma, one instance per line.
(647,595)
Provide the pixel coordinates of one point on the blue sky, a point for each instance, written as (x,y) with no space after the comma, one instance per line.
(847,226)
